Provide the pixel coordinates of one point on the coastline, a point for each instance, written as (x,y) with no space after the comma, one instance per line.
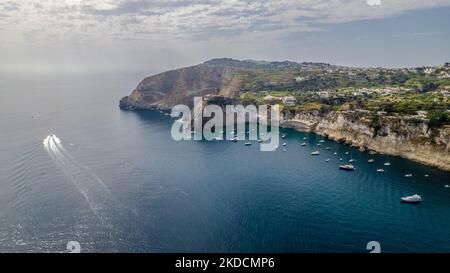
(411,149)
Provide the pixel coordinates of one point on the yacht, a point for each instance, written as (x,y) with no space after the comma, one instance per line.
(315,153)
(348,167)
(370,161)
(411,199)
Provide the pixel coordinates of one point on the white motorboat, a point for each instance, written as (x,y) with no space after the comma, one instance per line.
(284,144)
(412,199)
(370,161)
(348,167)
(387,164)
(303,144)
(247,144)
(315,153)
(351,160)
(408,175)
(380,170)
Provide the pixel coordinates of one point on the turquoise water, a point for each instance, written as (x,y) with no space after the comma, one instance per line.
(118,182)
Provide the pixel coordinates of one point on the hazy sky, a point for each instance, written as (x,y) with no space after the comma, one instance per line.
(161,34)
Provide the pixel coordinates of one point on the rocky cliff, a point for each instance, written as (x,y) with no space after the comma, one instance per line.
(400,136)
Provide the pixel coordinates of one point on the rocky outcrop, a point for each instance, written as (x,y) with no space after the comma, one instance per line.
(398,136)
(179,86)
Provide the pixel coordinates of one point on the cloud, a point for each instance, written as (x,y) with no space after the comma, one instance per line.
(186,19)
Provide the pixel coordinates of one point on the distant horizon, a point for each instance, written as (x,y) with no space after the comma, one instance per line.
(158,36)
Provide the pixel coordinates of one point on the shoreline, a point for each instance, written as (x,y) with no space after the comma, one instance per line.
(426,155)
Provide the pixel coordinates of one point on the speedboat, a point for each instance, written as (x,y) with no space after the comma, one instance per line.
(335,153)
(315,153)
(411,199)
(370,161)
(447,186)
(380,170)
(408,175)
(235,139)
(426,175)
(327,148)
(247,144)
(327,160)
(322,141)
(346,153)
(283,136)
(318,144)
(304,138)
(303,144)
(348,167)
(259,140)
(351,160)
(387,164)
(284,144)
(340,159)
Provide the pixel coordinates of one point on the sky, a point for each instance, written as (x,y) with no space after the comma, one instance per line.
(156,35)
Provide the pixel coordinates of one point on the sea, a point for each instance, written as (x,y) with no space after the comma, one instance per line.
(76,168)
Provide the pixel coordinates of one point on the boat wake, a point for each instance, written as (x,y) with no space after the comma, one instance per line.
(92,188)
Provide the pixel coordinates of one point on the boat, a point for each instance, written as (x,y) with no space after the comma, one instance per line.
(259,140)
(380,170)
(346,153)
(327,160)
(284,144)
(283,136)
(387,164)
(284,150)
(426,175)
(235,139)
(348,167)
(335,153)
(340,159)
(447,186)
(315,153)
(351,160)
(322,141)
(304,138)
(327,148)
(411,199)
(408,175)
(370,161)
(303,144)
(247,144)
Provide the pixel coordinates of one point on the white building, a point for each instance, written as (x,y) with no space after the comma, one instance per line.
(289,101)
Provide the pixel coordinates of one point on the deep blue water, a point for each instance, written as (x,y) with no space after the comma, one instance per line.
(122,184)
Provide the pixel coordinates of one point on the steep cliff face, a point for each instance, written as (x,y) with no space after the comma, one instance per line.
(394,136)
(179,86)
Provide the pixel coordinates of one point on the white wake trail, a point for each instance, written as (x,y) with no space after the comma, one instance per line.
(92,188)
